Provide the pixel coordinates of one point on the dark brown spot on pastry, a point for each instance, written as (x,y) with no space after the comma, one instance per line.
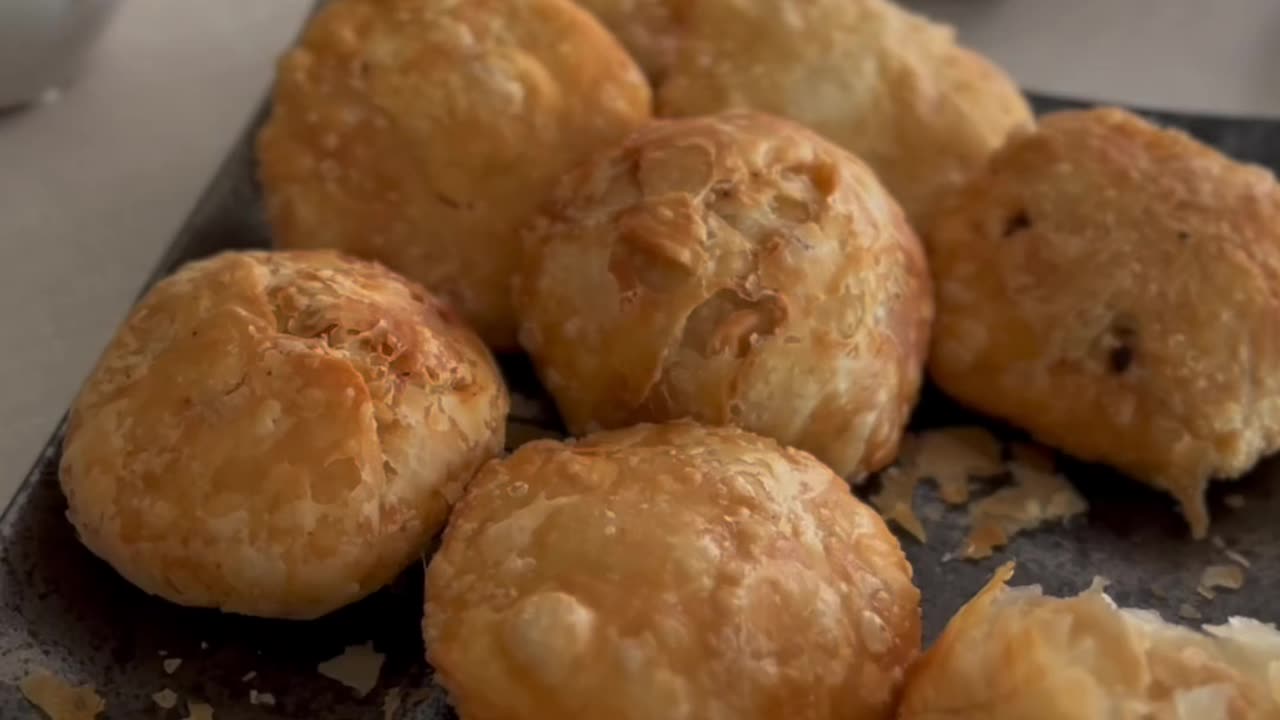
(1183,235)
(1122,343)
(1018,222)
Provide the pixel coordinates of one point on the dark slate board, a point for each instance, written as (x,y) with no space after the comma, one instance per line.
(62,608)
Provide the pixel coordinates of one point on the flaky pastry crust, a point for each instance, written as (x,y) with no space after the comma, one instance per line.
(423,133)
(1112,288)
(891,86)
(278,434)
(737,269)
(671,571)
(1014,654)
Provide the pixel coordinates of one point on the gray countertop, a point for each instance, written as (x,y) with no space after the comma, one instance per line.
(94,185)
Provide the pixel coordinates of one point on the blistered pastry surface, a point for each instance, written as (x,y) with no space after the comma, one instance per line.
(423,133)
(670,571)
(278,433)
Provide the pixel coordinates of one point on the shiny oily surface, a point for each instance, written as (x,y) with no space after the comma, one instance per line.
(63,608)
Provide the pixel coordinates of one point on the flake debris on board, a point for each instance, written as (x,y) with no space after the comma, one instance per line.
(166,698)
(1237,558)
(60,700)
(950,457)
(896,499)
(390,704)
(199,711)
(357,667)
(1188,612)
(1037,495)
(249,676)
(261,698)
(171,665)
(1228,577)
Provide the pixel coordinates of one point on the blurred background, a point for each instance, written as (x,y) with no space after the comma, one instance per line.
(96,178)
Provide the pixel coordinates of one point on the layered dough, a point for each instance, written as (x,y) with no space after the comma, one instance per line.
(1111,287)
(1014,654)
(278,434)
(423,133)
(737,269)
(668,571)
(888,85)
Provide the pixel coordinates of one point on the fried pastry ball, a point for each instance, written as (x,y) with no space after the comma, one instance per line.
(1014,654)
(423,133)
(737,269)
(672,571)
(890,86)
(278,434)
(1111,287)
(648,29)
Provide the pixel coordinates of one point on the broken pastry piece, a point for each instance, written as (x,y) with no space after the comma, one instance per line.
(1110,287)
(737,269)
(1015,654)
(673,571)
(278,434)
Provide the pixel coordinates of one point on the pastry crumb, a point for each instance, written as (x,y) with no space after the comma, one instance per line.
(896,499)
(171,665)
(357,667)
(1229,577)
(249,676)
(199,711)
(950,457)
(1188,611)
(261,698)
(60,700)
(1237,558)
(165,698)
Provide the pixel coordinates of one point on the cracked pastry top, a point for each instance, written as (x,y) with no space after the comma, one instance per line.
(278,434)
(1112,288)
(890,86)
(675,571)
(1012,653)
(737,269)
(423,133)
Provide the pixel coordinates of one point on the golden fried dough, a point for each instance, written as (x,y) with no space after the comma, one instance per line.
(668,571)
(737,269)
(648,29)
(423,133)
(278,434)
(890,86)
(1014,654)
(1112,288)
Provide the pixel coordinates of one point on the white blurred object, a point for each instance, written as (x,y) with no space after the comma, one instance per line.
(43,42)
